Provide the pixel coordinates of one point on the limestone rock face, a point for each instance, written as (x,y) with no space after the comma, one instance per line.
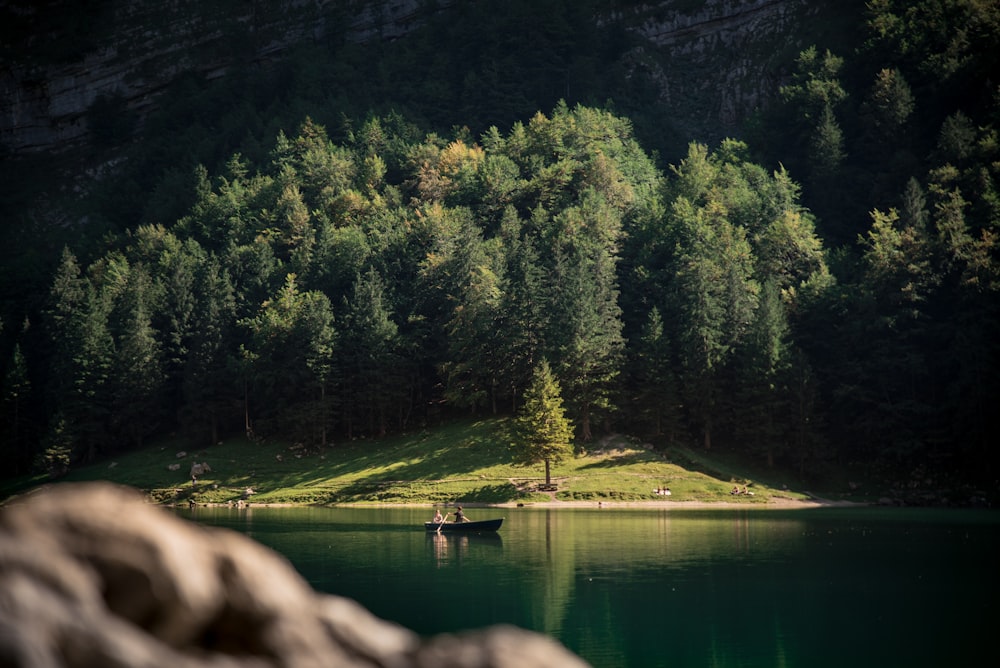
(91,575)
(132,50)
(729,45)
(712,56)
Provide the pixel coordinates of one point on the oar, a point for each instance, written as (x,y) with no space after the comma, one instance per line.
(442,522)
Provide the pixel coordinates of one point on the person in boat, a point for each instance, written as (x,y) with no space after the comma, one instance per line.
(437,516)
(460,516)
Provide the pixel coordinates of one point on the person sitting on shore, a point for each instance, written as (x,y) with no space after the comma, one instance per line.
(736,490)
(460,516)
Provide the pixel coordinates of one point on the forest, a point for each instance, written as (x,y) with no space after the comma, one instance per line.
(284,261)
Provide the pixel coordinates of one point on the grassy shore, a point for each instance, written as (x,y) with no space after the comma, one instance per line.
(462,462)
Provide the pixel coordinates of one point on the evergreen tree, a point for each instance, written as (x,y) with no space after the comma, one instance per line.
(211,386)
(295,228)
(788,252)
(81,362)
(521,313)
(173,265)
(341,253)
(471,369)
(760,410)
(15,402)
(585,327)
(889,366)
(714,297)
(321,361)
(291,348)
(890,105)
(371,353)
(653,379)
(543,432)
(324,171)
(805,419)
(812,98)
(137,374)
(826,148)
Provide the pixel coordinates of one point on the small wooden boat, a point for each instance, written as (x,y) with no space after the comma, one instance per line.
(464,527)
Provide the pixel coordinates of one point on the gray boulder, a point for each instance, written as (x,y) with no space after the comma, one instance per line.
(91,575)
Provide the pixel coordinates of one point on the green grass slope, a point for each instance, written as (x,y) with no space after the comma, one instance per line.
(465,461)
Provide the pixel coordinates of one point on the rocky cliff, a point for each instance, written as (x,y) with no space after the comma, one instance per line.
(713,61)
(131,50)
(717,61)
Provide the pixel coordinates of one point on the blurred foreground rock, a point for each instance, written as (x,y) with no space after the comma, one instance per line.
(91,575)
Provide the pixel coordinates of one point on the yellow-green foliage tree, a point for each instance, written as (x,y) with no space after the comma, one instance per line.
(544,433)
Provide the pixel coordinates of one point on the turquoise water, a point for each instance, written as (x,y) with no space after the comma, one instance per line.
(633,587)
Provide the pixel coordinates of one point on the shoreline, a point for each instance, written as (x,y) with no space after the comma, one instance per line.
(771,504)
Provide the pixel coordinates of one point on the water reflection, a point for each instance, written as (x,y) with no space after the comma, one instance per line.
(648,588)
(602,540)
(449,547)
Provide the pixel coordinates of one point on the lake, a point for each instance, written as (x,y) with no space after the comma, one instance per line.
(652,587)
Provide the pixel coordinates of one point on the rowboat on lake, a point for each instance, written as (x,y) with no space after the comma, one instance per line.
(454,527)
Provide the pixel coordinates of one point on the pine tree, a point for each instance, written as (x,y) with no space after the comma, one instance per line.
(80,366)
(14,404)
(371,353)
(292,339)
(472,366)
(584,328)
(210,384)
(520,317)
(761,403)
(137,380)
(543,432)
(653,378)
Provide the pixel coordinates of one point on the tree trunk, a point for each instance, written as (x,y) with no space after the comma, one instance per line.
(548,477)
(322,415)
(246,410)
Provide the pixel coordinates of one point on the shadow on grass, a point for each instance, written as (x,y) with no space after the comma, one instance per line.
(692,462)
(634,457)
(367,491)
(371,466)
(492,494)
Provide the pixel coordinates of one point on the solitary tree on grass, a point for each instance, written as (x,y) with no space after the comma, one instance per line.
(543,432)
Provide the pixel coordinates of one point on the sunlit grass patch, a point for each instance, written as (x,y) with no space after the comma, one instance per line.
(463,461)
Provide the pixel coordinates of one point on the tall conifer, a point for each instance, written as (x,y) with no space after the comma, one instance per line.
(543,434)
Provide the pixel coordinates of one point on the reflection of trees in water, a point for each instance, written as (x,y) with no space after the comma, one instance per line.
(677,579)
(561,567)
(611,538)
(557,560)
(593,548)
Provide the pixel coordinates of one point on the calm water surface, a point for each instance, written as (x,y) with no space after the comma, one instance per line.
(633,587)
